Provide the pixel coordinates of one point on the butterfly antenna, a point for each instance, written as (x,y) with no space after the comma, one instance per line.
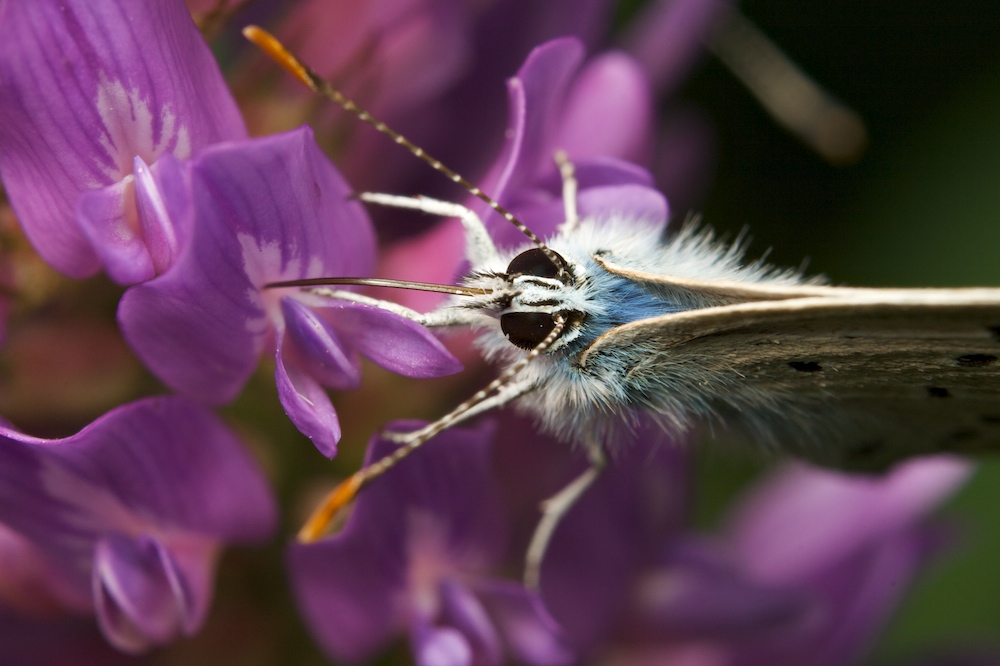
(454,290)
(270,45)
(345,492)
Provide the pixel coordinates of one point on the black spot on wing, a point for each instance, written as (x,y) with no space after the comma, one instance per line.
(990,419)
(976,360)
(995,332)
(938,392)
(805,366)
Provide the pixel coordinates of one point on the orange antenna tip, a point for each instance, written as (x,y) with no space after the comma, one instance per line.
(324,515)
(270,45)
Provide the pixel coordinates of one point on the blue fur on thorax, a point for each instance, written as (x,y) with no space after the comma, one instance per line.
(620,301)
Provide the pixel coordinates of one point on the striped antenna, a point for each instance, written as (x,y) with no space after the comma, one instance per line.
(270,45)
(338,498)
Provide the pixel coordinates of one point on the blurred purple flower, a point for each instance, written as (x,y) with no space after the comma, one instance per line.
(98,101)
(268,210)
(415,558)
(457,98)
(126,518)
(549,109)
(428,68)
(853,543)
(394,57)
(66,640)
(639,502)
(807,572)
(668,36)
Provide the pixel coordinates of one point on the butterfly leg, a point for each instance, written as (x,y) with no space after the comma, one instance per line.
(479,246)
(569,192)
(444,316)
(554,509)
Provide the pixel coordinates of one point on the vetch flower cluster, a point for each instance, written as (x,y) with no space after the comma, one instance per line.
(125,519)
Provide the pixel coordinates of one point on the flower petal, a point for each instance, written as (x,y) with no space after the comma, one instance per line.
(432,514)
(265,210)
(164,202)
(535,100)
(696,594)
(142,597)
(137,225)
(154,464)
(629,201)
(319,347)
(304,400)
(854,599)
(461,609)
(109,219)
(30,584)
(349,588)
(393,342)
(611,93)
(608,188)
(527,628)
(133,508)
(200,339)
(804,519)
(452,482)
(440,646)
(85,86)
(524,177)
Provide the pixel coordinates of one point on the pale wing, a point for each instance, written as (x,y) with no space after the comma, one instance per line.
(858,379)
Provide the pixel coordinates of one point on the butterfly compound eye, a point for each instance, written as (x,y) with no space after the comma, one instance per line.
(533,262)
(526,329)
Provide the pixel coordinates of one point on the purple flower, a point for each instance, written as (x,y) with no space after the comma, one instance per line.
(549,110)
(430,69)
(811,565)
(268,210)
(853,543)
(66,640)
(551,106)
(98,101)
(414,559)
(126,517)
(394,57)
(639,503)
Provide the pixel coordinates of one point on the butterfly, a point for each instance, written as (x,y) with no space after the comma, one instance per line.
(606,323)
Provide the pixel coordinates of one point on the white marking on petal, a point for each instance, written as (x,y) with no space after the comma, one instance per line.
(263,263)
(129,129)
(103,509)
(90,511)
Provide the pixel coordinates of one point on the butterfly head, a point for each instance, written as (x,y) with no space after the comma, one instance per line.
(529,294)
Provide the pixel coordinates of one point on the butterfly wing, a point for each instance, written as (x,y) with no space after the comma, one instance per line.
(854,378)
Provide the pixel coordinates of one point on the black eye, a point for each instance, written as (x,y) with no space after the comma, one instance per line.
(526,329)
(533,262)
